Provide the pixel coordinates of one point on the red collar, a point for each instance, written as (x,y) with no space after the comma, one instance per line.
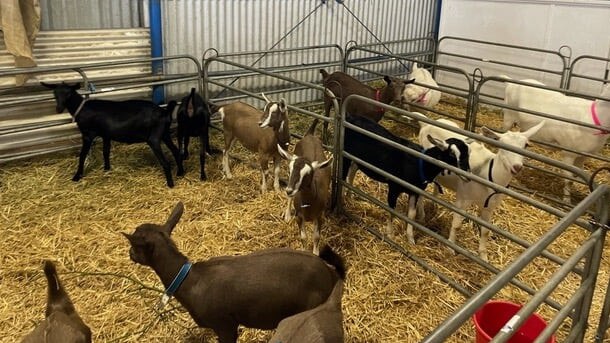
(596,120)
(378,98)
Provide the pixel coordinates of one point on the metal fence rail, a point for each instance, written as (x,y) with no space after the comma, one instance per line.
(577,308)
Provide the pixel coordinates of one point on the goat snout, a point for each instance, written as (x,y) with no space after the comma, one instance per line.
(291,192)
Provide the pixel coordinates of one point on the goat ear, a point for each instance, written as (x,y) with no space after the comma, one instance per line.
(318,165)
(387,79)
(489,133)
(409,81)
(532,130)
(283,105)
(285,154)
(132,240)
(438,143)
(173,218)
(48,85)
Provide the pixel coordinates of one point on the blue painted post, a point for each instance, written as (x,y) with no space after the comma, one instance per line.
(156,47)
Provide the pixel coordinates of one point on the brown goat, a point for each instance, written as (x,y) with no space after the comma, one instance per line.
(343,85)
(256,290)
(258,132)
(62,323)
(308,184)
(323,324)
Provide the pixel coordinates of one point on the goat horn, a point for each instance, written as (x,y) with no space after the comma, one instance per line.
(265,97)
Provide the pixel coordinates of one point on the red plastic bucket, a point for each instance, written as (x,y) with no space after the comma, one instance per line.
(492,316)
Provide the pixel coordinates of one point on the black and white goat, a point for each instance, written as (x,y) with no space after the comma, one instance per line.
(130,121)
(308,184)
(193,119)
(257,290)
(62,323)
(499,168)
(398,163)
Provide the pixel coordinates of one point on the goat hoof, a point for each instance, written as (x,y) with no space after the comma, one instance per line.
(76,178)
(203,177)
(106,168)
(185,156)
(180,173)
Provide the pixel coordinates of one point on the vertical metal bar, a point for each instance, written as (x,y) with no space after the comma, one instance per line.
(156,47)
(604,317)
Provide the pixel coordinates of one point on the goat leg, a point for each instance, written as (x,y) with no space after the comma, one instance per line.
(486,216)
(167,139)
(106,152)
(393,193)
(227,335)
(156,148)
(83,155)
(276,173)
(288,212)
(202,142)
(301,224)
(411,213)
(316,236)
(185,151)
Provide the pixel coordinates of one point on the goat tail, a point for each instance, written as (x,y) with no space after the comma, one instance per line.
(333,259)
(312,128)
(324,73)
(57,298)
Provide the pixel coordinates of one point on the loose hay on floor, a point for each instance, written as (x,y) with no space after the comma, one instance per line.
(388,298)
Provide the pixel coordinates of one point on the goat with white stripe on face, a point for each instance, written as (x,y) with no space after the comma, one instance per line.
(258,132)
(308,184)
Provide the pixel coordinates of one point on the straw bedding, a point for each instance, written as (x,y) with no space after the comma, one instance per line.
(388,297)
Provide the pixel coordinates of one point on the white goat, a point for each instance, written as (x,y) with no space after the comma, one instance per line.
(498,168)
(257,131)
(419,94)
(567,135)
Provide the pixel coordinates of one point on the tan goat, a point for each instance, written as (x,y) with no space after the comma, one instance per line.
(308,184)
(258,132)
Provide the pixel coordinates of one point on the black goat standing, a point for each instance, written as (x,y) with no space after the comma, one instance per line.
(194,121)
(398,163)
(130,121)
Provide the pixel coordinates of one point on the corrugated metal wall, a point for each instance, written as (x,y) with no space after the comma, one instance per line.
(192,26)
(92,14)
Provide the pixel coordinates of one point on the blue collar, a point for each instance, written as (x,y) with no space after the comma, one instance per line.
(184,271)
(173,287)
(420,164)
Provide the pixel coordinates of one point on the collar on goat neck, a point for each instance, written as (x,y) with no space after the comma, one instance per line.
(596,120)
(422,97)
(378,98)
(80,107)
(174,285)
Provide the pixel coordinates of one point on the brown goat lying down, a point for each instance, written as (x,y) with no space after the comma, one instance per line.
(256,290)
(323,324)
(62,324)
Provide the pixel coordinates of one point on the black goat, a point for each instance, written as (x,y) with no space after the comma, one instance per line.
(131,121)
(62,322)
(193,121)
(401,164)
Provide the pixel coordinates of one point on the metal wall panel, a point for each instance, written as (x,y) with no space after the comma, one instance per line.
(91,14)
(192,26)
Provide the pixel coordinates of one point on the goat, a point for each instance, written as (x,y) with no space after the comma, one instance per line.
(498,167)
(256,290)
(566,135)
(308,184)
(62,323)
(419,93)
(398,163)
(130,121)
(342,85)
(323,324)
(193,119)
(257,131)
